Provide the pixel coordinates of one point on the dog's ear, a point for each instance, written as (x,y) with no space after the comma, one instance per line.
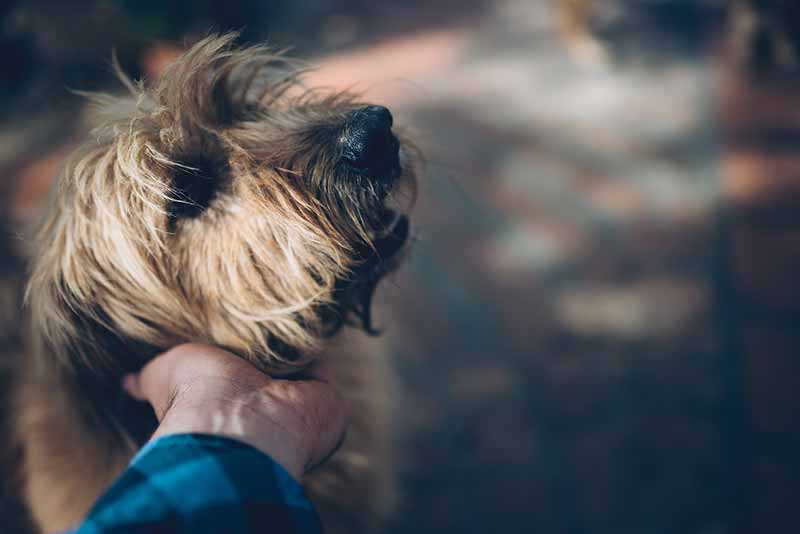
(196,100)
(174,137)
(193,96)
(193,105)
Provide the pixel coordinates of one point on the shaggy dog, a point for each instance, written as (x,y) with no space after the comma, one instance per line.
(227,205)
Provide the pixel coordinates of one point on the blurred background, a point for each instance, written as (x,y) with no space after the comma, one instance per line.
(597,330)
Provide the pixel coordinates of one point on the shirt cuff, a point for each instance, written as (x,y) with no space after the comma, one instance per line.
(203,483)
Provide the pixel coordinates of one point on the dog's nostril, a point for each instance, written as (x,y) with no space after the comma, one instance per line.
(368,142)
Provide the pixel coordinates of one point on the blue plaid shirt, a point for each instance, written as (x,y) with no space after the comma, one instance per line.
(195,483)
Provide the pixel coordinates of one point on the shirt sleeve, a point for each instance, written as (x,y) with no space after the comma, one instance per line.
(196,483)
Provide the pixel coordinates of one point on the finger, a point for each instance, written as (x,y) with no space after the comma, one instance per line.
(159,380)
(154,382)
(130,383)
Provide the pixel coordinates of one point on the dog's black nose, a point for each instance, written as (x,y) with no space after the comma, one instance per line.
(368,143)
(379,114)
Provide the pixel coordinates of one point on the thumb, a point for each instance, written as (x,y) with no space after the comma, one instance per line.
(132,386)
(156,381)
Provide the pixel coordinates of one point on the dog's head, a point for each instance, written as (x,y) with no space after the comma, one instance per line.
(225,204)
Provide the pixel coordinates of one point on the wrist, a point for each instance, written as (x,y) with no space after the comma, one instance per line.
(240,421)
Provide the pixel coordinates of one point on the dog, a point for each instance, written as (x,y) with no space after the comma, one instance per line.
(225,204)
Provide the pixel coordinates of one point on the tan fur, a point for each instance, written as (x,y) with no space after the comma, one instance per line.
(117,277)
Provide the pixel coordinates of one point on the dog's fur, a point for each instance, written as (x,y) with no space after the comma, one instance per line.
(13,516)
(211,207)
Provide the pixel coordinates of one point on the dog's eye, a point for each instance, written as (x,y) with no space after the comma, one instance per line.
(192,191)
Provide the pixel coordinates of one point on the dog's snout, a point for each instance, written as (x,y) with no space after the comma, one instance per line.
(368,142)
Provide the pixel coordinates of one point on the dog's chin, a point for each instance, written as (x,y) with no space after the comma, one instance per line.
(390,239)
(353,293)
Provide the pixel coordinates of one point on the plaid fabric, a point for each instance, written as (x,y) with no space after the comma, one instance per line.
(194,483)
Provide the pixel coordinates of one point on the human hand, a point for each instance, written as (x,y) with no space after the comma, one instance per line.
(197,388)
